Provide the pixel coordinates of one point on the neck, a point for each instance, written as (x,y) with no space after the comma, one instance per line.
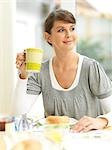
(66,60)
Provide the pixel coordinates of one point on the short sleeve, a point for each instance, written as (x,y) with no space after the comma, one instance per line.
(33,84)
(100,84)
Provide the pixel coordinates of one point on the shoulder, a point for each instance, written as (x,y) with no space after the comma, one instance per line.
(45,65)
(92,66)
(36,75)
(90,63)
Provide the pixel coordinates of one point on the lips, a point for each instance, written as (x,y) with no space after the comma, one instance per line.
(67,42)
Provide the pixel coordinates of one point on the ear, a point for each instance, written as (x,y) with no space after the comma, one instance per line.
(48,37)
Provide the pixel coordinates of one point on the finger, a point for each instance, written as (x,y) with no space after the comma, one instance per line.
(83,125)
(85,118)
(84,122)
(20,56)
(87,123)
(20,64)
(88,128)
(77,128)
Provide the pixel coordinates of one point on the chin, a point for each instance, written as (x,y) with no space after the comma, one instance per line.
(70,48)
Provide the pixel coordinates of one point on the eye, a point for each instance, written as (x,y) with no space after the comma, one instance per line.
(73,28)
(60,30)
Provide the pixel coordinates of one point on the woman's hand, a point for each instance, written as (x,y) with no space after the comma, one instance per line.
(86,124)
(20,65)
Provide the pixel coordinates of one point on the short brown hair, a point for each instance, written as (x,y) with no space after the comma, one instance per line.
(58,15)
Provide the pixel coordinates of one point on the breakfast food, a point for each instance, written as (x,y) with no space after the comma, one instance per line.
(57,119)
(2,143)
(29,144)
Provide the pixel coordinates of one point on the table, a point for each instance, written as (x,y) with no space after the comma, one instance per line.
(97,139)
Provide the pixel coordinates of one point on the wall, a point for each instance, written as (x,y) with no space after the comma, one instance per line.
(7,31)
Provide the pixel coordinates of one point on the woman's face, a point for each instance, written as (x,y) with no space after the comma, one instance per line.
(63,36)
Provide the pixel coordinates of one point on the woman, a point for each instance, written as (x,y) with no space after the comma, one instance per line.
(71,84)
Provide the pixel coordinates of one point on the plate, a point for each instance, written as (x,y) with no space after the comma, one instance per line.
(72,121)
(41,124)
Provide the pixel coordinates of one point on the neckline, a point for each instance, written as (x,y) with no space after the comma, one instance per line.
(54,81)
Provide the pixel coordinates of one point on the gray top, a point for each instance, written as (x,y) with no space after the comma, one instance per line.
(81,100)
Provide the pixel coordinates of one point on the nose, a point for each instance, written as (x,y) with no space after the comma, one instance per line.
(68,34)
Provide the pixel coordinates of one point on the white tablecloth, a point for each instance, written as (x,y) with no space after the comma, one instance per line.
(71,141)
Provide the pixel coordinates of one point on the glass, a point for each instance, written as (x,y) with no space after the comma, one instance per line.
(4,121)
(56,133)
(23,124)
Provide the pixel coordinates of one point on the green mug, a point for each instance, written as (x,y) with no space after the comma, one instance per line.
(33,59)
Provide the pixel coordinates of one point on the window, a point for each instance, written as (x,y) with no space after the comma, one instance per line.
(95,33)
